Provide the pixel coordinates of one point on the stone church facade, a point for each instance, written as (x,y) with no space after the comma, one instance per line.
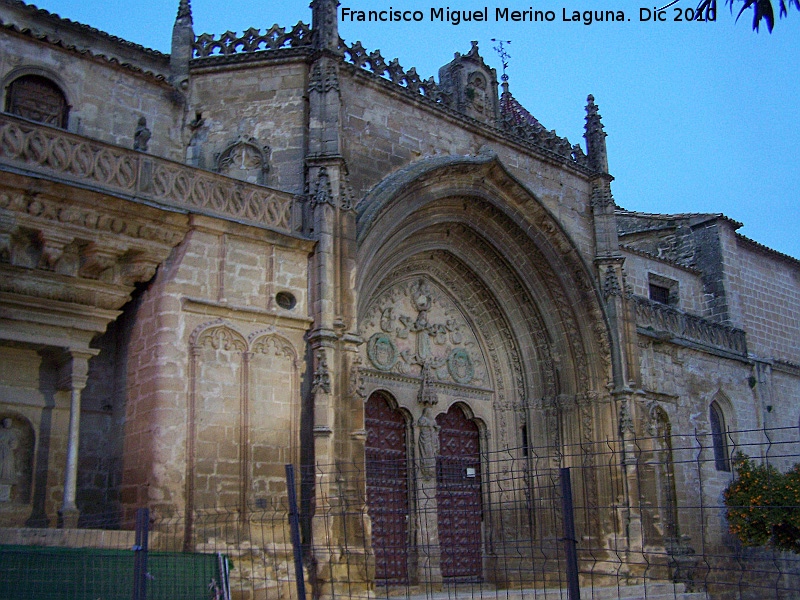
(281,248)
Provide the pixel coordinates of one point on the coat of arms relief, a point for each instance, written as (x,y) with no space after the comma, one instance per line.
(414,329)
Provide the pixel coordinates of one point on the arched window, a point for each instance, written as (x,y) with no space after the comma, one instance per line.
(719,438)
(39,99)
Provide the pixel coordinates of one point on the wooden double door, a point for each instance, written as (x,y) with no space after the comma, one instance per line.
(390,481)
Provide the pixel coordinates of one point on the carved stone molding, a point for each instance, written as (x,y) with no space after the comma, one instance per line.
(323,194)
(611,285)
(322,375)
(324,77)
(128,174)
(414,328)
(665,322)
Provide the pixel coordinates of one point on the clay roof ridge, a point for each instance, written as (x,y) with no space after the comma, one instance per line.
(765,248)
(54,17)
(681,216)
(83,51)
(511,107)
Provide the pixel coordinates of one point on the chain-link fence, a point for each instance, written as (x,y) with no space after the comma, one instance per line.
(646,519)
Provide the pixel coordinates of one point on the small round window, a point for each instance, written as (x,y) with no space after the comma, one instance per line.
(286,300)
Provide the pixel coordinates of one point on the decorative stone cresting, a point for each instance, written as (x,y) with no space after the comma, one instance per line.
(252,40)
(514,119)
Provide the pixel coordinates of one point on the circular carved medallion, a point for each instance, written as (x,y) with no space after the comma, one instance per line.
(382,352)
(460,366)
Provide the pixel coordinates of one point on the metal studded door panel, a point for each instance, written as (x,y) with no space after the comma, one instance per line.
(458,495)
(387,490)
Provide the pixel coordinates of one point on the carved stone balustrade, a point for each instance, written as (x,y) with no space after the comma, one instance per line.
(667,323)
(51,153)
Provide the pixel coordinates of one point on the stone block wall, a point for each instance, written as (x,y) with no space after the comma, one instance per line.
(785,390)
(385,131)
(690,287)
(106,99)
(265,103)
(765,290)
(685,382)
(215,370)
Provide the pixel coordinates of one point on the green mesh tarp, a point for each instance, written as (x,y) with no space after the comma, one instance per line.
(44,573)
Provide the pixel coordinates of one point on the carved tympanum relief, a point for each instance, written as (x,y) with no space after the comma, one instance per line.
(414,328)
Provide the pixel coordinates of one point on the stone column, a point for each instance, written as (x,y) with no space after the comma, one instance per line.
(74,378)
(429,553)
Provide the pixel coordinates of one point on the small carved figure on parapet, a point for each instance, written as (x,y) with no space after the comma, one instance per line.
(142,136)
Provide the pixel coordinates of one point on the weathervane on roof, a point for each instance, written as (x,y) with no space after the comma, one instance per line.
(504,56)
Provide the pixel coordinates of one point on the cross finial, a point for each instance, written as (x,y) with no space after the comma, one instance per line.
(504,56)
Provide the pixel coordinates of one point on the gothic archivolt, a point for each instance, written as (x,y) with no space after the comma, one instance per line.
(486,217)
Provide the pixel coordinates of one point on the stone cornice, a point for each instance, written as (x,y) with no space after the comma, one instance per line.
(69,259)
(45,322)
(785,366)
(766,250)
(277,317)
(451,389)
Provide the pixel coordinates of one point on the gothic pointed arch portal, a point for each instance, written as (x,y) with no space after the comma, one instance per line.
(471,293)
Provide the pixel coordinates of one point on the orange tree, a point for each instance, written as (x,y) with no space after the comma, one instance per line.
(763,505)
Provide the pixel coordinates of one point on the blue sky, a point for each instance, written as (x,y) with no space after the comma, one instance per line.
(701,117)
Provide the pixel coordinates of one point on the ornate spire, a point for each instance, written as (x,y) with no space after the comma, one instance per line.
(595,138)
(182,46)
(325,24)
(184,10)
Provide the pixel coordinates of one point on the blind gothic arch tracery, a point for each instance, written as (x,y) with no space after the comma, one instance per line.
(240,387)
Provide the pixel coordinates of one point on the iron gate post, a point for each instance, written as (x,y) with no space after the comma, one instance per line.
(140,554)
(294,526)
(570,543)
